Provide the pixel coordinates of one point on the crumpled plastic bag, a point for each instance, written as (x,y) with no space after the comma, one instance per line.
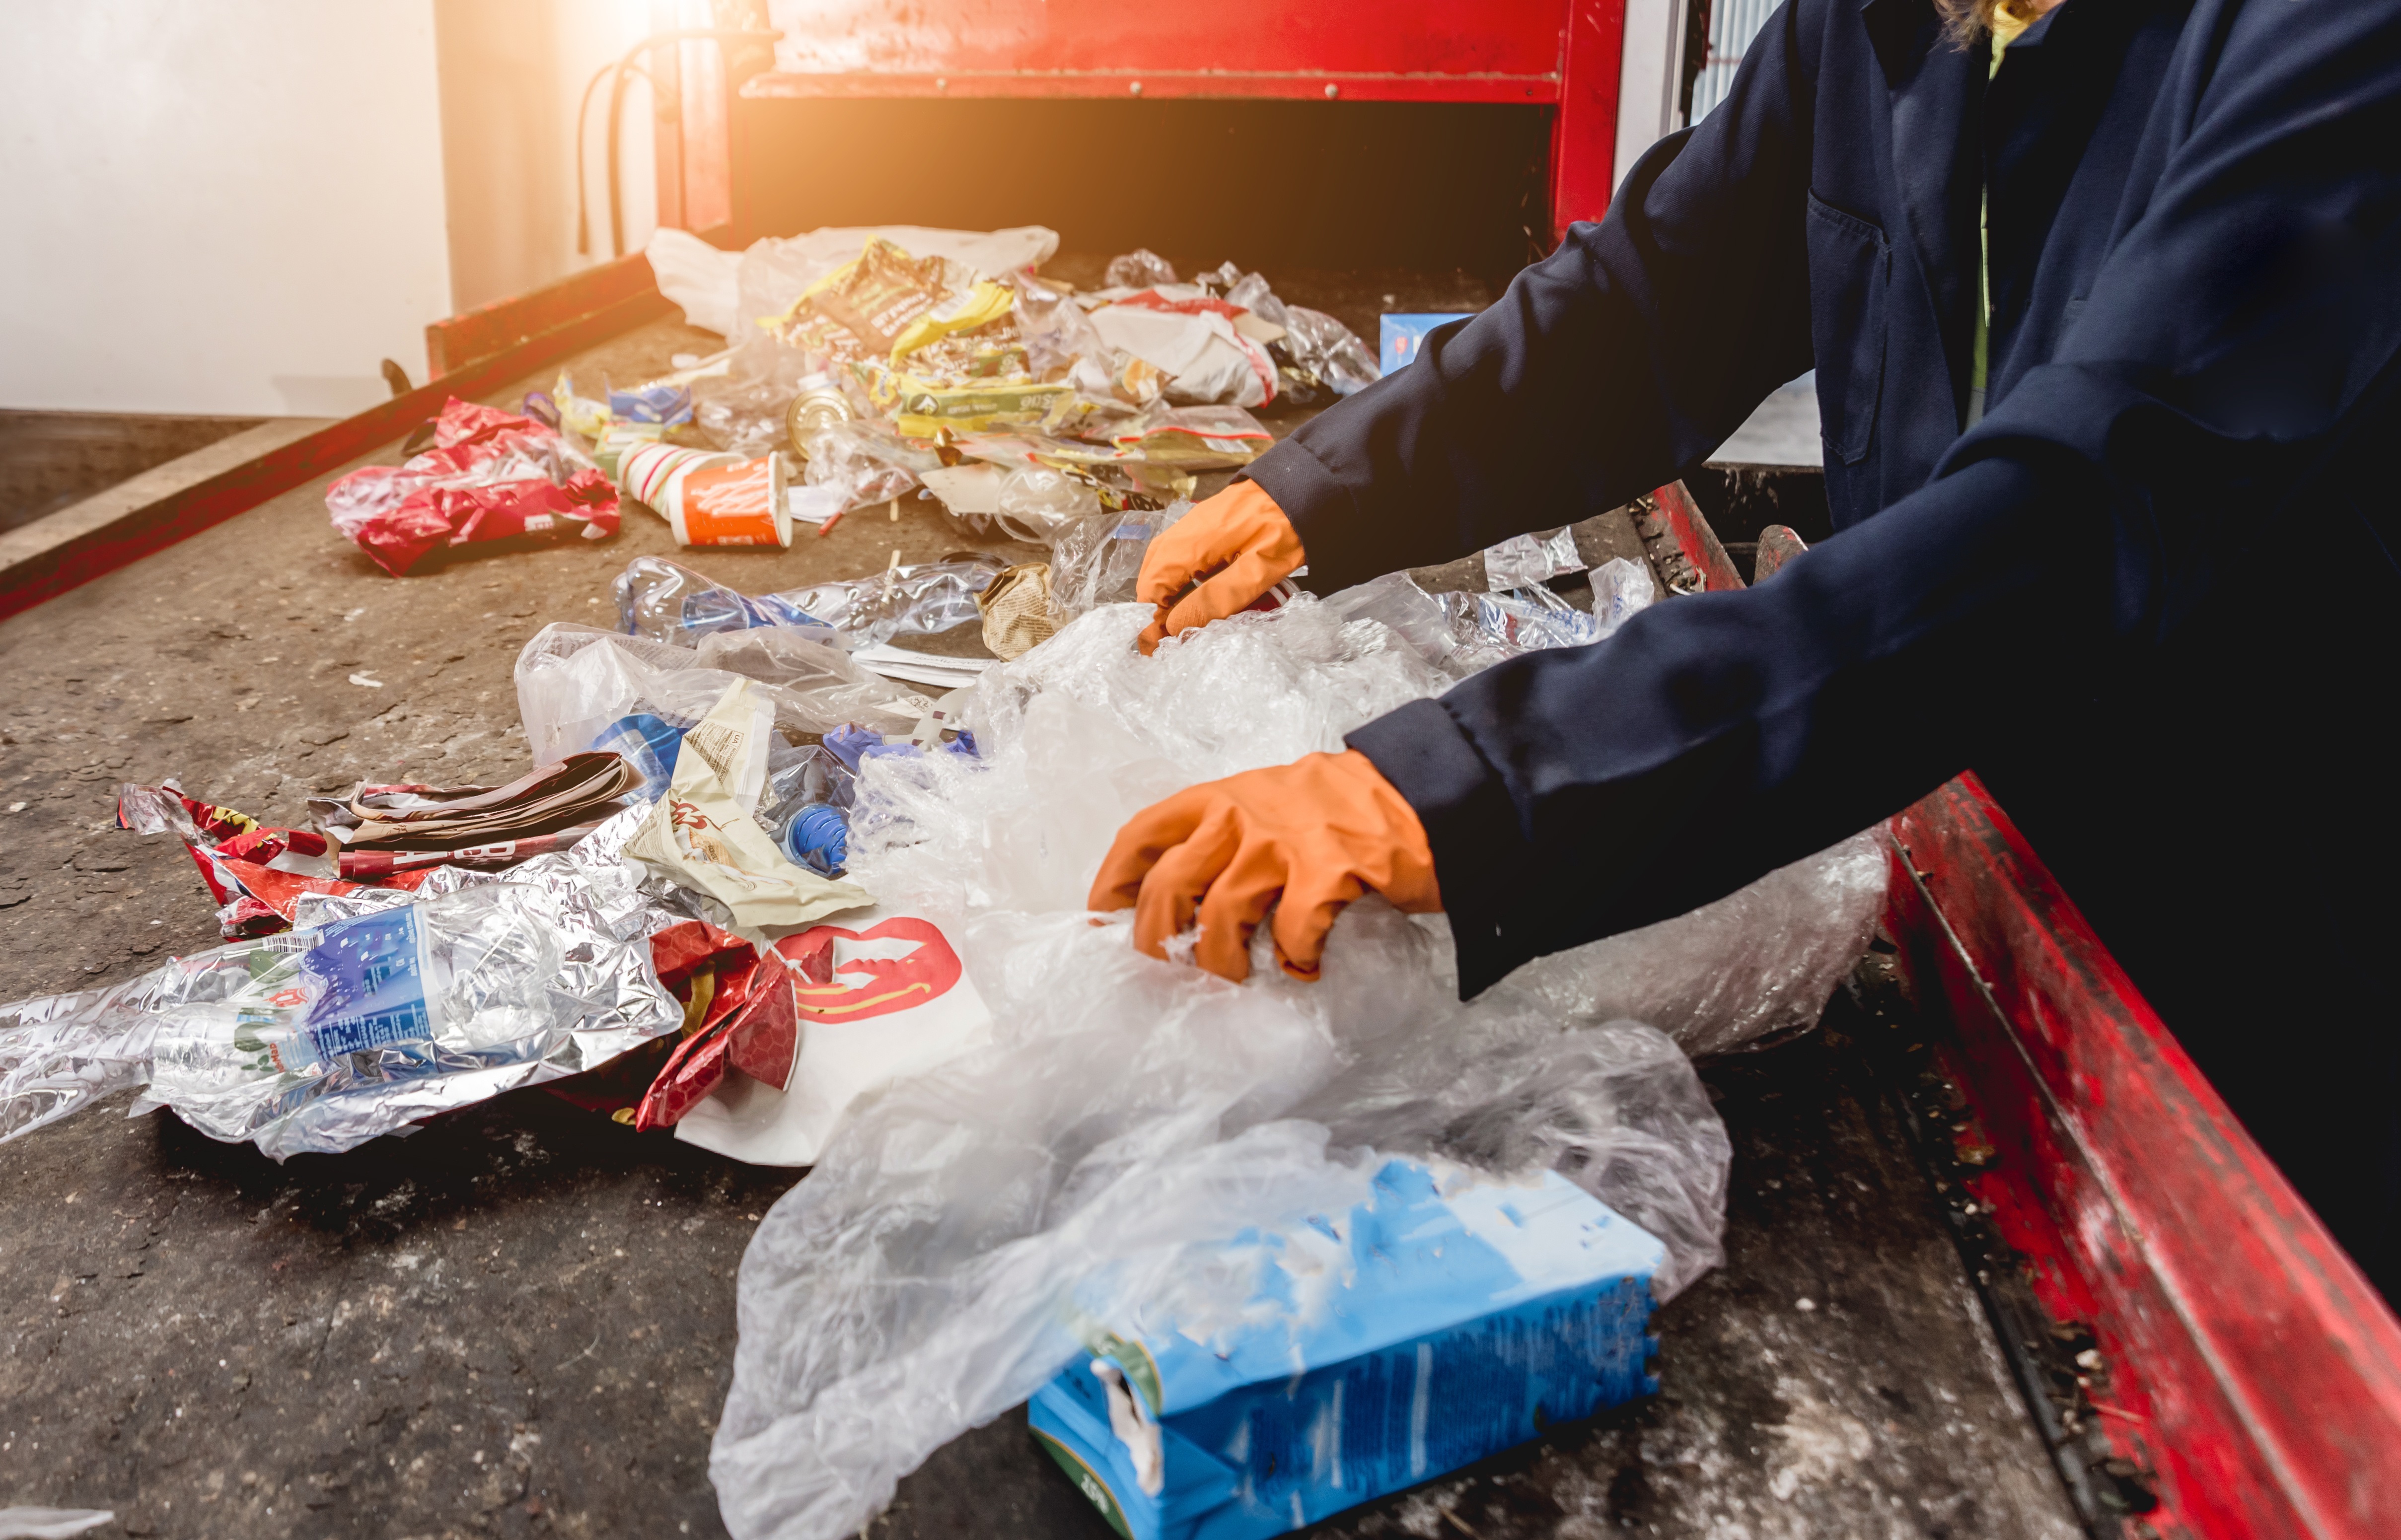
(1521,561)
(701,836)
(382,1009)
(919,1282)
(576,685)
(1317,348)
(697,277)
(489,476)
(1202,358)
(866,462)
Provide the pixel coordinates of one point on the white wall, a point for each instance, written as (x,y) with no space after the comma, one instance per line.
(1649,78)
(230,207)
(512,74)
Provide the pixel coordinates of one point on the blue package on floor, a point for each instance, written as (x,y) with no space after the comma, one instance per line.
(1400,335)
(1446,1319)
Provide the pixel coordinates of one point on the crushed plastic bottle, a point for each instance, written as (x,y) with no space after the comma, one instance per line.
(669,602)
(385,1008)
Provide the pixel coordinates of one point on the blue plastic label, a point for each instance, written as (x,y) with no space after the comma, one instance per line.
(368,982)
(1400,336)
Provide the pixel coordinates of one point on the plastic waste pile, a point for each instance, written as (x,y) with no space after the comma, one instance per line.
(758,890)
(800,914)
(1130,1116)
(869,365)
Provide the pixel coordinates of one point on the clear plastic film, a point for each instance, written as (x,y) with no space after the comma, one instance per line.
(1095,560)
(579,686)
(383,1009)
(1521,561)
(866,462)
(1319,349)
(919,1282)
(669,602)
(744,408)
(1461,632)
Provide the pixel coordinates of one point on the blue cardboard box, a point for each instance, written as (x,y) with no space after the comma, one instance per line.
(1447,1317)
(1400,334)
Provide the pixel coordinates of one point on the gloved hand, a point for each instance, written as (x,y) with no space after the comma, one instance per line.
(1306,838)
(1239,543)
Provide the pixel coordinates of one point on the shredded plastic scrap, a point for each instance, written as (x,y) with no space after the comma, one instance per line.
(1129,1110)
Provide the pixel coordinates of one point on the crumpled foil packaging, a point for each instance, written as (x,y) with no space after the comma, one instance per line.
(381,1010)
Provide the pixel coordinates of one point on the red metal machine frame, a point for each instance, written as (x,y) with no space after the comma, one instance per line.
(1563,54)
(2244,1360)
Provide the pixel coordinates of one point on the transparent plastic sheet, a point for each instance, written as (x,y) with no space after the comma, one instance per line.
(1323,349)
(744,408)
(1521,561)
(1330,351)
(1056,331)
(919,1282)
(1139,268)
(1462,632)
(576,685)
(1095,560)
(668,601)
(867,462)
(358,1023)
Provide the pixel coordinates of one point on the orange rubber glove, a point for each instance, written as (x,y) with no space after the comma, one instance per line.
(1238,543)
(1305,838)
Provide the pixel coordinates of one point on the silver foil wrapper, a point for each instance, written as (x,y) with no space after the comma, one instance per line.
(519,976)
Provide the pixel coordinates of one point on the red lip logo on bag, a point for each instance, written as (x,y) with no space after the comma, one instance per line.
(858,988)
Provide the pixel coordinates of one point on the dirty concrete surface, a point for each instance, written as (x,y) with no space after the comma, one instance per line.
(520,1320)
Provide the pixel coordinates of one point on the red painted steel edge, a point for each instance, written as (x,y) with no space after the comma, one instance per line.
(460,340)
(2245,1361)
(1584,134)
(1560,53)
(2255,1368)
(1332,85)
(1689,529)
(245,487)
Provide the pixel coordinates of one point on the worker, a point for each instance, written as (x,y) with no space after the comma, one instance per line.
(2102,299)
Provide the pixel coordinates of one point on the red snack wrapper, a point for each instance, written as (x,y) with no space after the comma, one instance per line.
(491,476)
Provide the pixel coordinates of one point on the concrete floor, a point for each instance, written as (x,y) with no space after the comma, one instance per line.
(520,1320)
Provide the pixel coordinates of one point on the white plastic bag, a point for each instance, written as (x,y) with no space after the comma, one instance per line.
(918,1283)
(881,996)
(697,277)
(1203,358)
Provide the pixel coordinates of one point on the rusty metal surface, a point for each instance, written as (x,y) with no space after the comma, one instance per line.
(398,1341)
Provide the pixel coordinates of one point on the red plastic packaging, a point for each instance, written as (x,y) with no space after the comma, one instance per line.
(491,475)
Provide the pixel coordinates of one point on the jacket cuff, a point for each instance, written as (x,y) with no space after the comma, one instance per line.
(1480,853)
(1321,510)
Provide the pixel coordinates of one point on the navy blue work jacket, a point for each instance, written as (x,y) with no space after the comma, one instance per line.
(2152,596)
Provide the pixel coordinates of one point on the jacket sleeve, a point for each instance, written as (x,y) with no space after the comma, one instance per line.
(2240,343)
(1637,348)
